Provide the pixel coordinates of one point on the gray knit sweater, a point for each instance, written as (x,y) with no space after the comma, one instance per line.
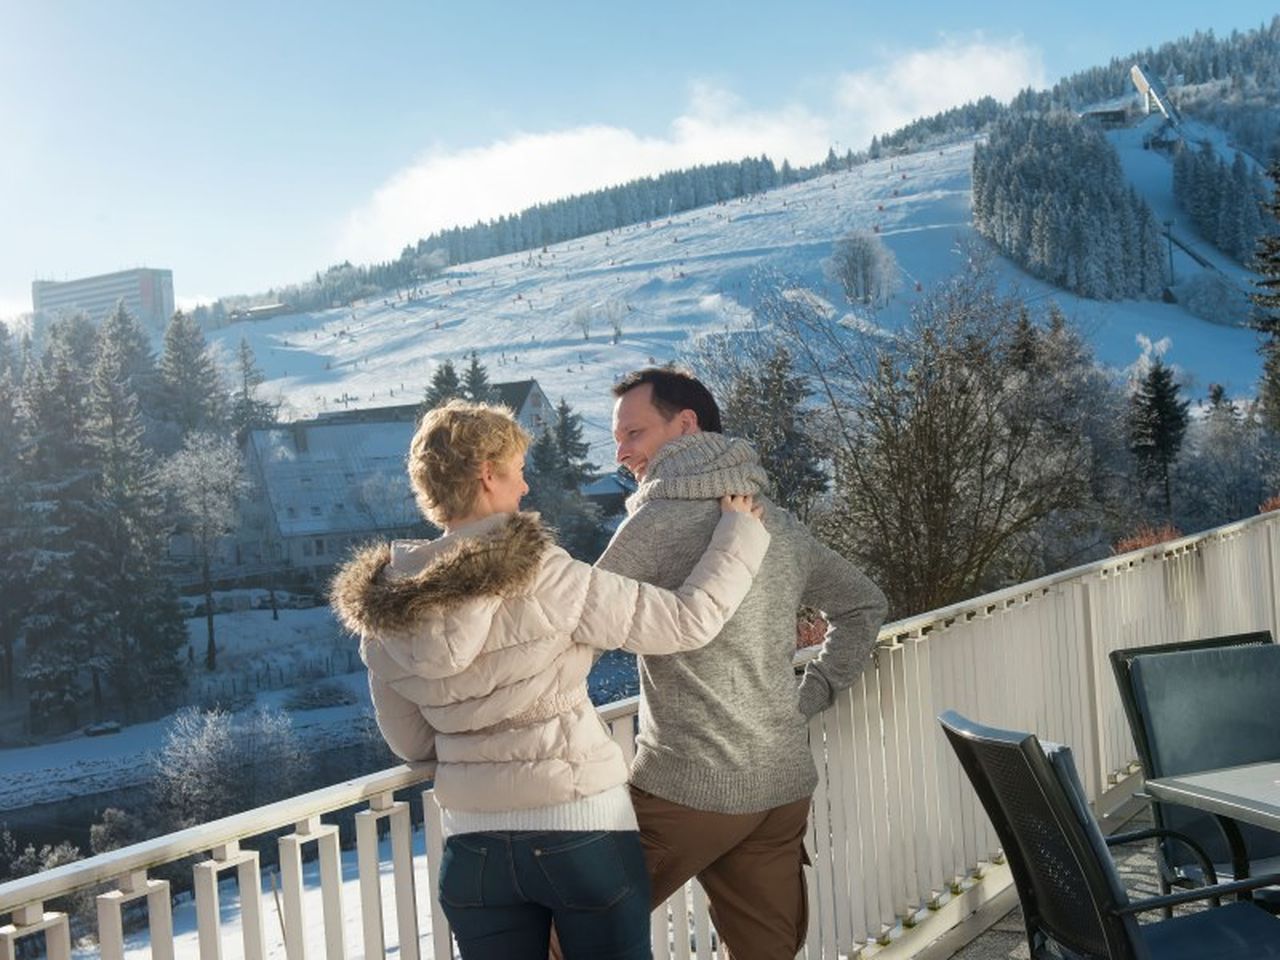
(724,728)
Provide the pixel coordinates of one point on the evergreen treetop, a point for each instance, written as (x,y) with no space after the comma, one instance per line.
(445,386)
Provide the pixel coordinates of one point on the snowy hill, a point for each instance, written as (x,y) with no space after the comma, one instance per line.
(667,282)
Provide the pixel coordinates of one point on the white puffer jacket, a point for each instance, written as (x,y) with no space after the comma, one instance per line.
(478,646)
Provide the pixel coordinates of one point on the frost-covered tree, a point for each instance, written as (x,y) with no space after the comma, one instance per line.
(213,764)
(61,565)
(194,397)
(1224,201)
(1049,192)
(13,508)
(766,404)
(205,480)
(1222,472)
(138,363)
(143,629)
(248,410)
(944,472)
(865,268)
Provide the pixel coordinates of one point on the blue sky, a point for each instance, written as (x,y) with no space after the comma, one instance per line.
(249,144)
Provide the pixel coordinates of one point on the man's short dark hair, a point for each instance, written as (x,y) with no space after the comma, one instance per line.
(675,390)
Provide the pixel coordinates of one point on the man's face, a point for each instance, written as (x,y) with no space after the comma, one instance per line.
(640,429)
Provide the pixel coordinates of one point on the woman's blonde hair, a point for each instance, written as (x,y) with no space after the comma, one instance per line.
(451,444)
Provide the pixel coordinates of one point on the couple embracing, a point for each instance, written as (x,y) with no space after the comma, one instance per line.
(479,644)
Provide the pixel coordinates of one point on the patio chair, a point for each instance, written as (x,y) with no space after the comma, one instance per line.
(1073,902)
(1121,666)
(1200,706)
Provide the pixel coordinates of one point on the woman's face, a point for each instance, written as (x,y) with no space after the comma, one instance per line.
(508,484)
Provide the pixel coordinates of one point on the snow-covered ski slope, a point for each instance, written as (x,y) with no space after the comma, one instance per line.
(674,279)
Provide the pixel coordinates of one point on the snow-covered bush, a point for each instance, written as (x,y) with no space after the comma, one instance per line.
(215,763)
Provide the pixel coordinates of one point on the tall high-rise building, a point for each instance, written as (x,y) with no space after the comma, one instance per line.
(147,295)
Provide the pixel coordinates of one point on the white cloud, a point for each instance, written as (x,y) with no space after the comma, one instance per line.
(446,188)
(920,83)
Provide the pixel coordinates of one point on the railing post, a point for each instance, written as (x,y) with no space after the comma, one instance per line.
(159,916)
(31,919)
(1272,601)
(326,839)
(249,879)
(433,827)
(397,812)
(1095,775)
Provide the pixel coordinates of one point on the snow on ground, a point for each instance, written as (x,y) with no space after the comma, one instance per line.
(675,279)
(297,647)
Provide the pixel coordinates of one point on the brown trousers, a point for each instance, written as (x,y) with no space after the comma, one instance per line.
(751,866)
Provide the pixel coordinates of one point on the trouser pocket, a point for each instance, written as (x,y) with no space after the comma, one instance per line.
(589,870)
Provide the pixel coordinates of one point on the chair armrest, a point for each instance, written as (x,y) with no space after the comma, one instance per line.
(1210,875)
(1199,893)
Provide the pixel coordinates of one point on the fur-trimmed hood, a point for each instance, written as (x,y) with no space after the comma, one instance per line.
(422,591)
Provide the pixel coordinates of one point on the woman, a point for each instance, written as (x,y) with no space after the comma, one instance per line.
(478,646)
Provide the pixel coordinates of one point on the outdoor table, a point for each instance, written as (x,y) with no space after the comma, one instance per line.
(1248,793)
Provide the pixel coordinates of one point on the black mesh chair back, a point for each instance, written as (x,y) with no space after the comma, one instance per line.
(1200,709)
(1066,880)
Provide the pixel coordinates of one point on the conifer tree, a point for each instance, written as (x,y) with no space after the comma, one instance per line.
(1157,425)
(138,362)
(247,410)
(766,406)
(143,633)
(8,353)
(13,498)
(475,382)
(193,393)
(1266,302)
(445,386)
(61,563)
(570,447)
(553,494)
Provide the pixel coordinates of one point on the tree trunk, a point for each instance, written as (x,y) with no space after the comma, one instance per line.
(8,664)
(211,648)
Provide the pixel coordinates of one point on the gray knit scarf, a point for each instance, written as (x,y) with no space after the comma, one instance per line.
(701,466)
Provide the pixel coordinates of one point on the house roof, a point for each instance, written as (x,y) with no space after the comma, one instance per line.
(515,393)
(344,472)
(346,477)
(611,484)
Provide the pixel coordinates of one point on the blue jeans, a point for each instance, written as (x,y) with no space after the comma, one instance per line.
(501,892)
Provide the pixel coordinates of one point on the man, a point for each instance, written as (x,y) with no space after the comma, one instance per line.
(723,775)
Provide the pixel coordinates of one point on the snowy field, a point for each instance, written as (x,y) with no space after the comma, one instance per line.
(295,648)
(673,280)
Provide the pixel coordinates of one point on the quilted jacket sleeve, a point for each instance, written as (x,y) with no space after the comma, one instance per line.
(403,726)
(616,611)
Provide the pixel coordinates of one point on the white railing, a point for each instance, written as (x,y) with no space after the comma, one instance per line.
(896,833)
